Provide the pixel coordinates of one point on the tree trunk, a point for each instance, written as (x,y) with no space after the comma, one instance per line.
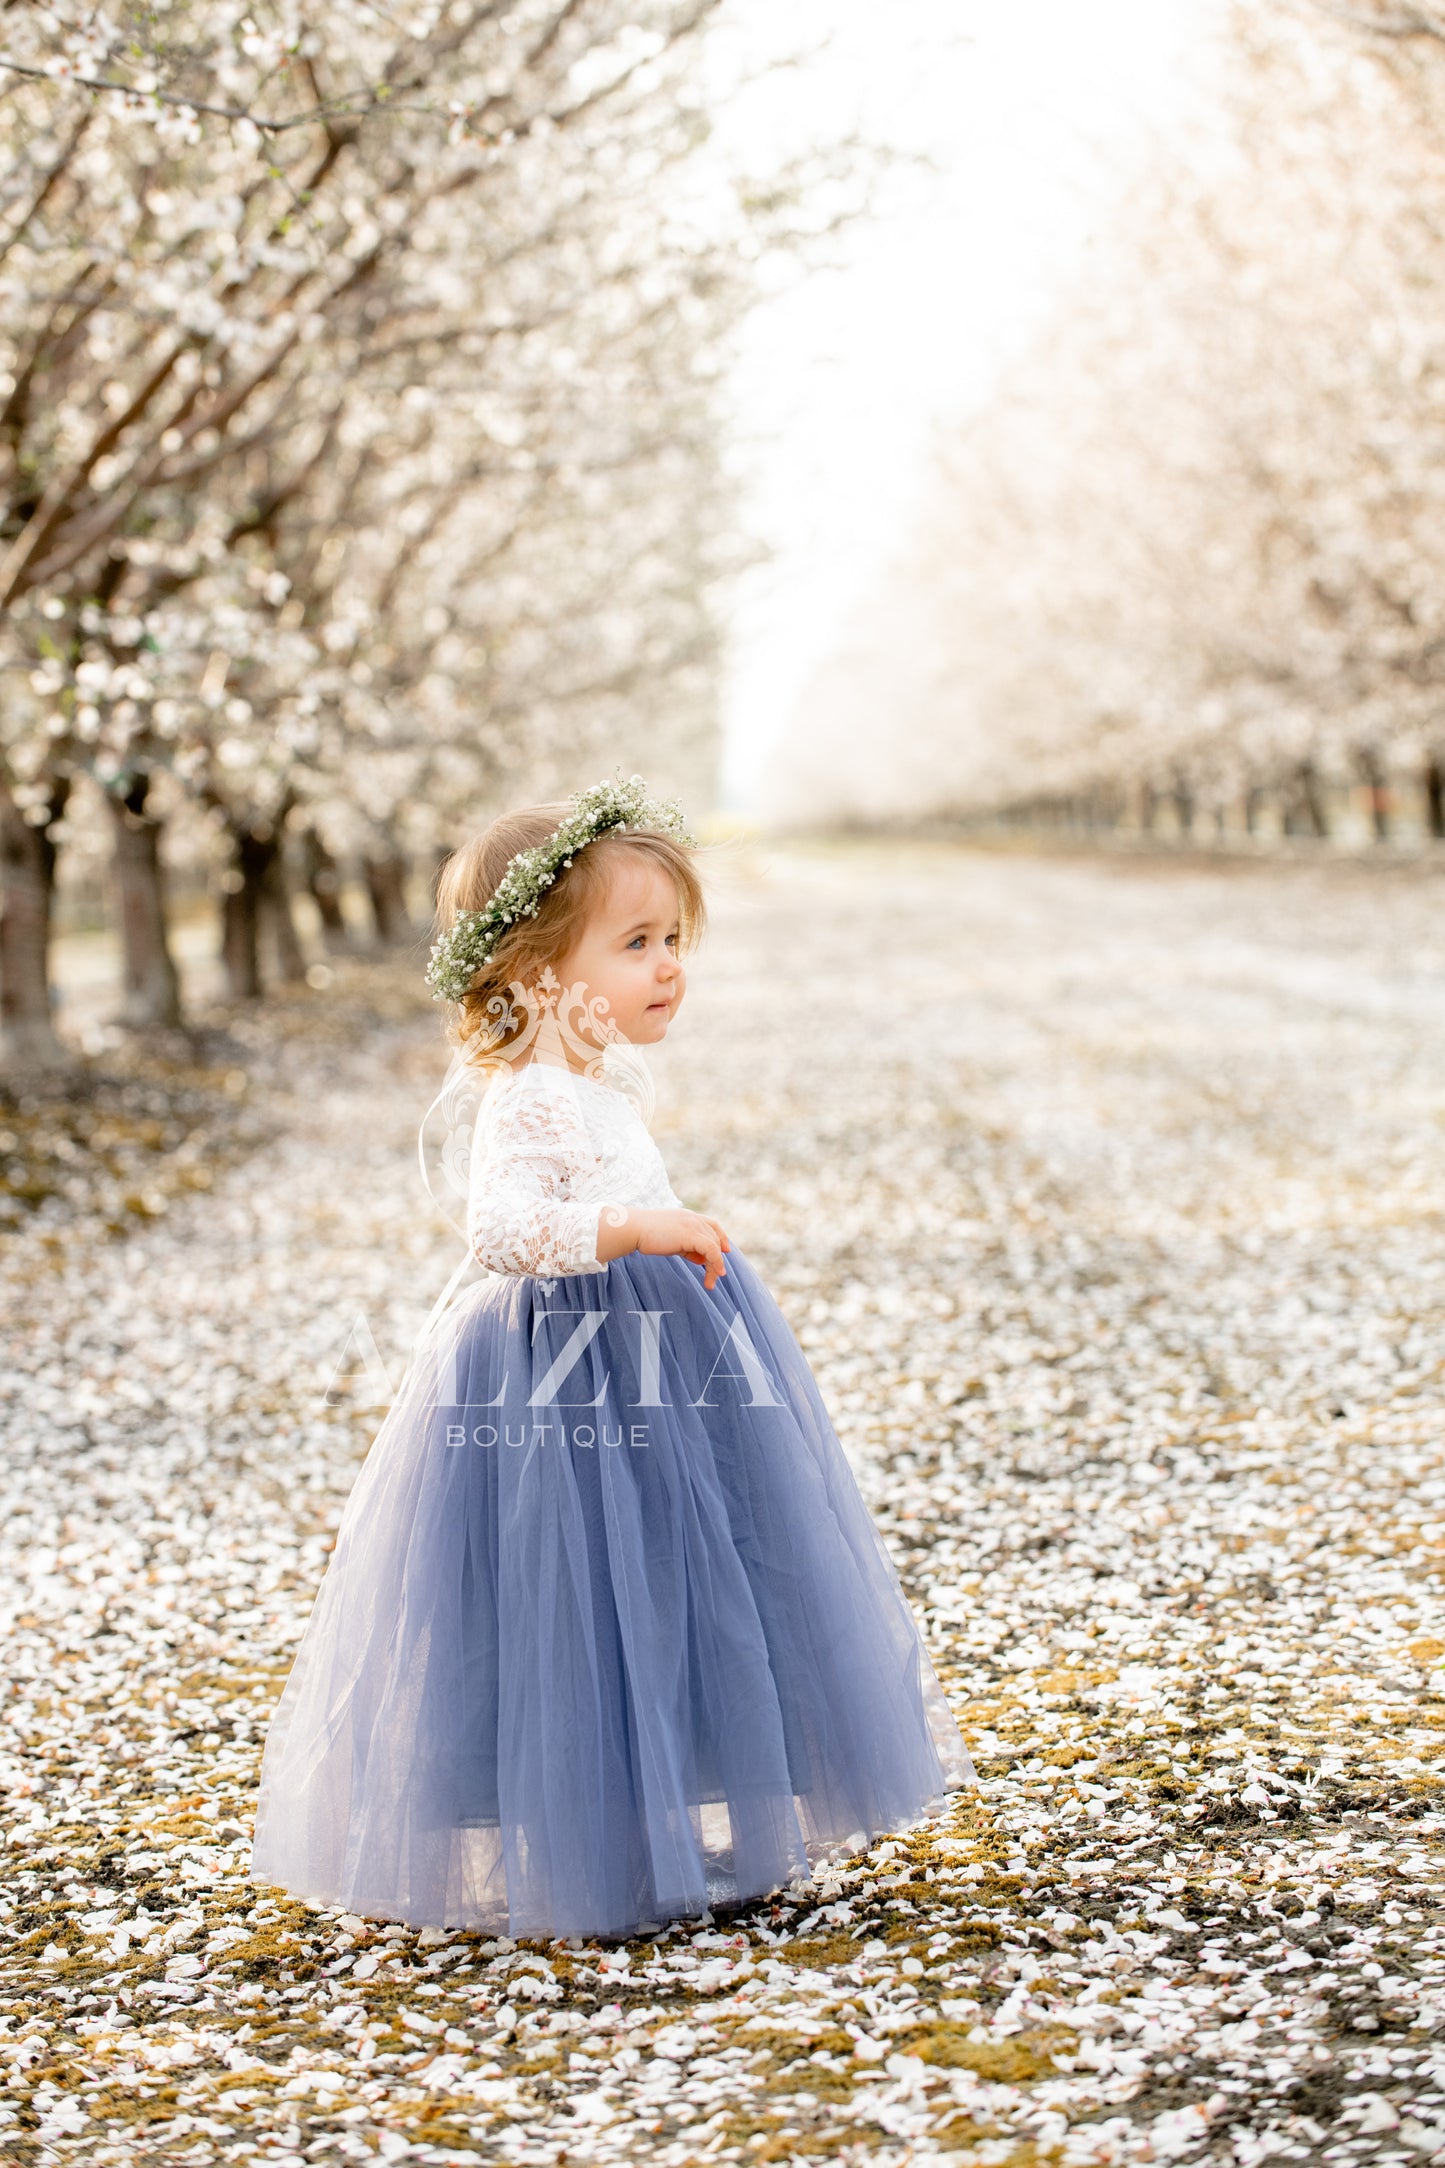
(385,875)
(242,886)
(28,1038)
(1312,798)
(320,873)
(276,898)
(1435,796)
(1372,769)
(151,985)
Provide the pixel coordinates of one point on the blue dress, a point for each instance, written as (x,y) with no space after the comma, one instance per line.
(608,1636)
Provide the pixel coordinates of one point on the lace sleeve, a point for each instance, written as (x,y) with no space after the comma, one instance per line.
(520,1217)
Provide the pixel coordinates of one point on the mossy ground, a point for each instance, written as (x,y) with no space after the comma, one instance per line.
(1133,1341)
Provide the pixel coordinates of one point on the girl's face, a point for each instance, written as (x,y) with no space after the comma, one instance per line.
(629,951)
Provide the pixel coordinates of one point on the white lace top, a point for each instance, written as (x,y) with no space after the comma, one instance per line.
(551,1148)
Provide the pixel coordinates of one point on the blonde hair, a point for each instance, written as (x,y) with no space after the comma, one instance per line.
(484,1022)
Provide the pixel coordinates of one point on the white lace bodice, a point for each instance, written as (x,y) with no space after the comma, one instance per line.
(551,1149)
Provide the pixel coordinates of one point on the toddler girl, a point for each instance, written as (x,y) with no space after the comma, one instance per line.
(608,1636)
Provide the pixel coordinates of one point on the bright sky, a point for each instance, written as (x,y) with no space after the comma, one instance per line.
(1038,113)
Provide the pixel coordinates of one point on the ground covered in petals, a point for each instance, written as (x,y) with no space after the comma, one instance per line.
(1108,1202)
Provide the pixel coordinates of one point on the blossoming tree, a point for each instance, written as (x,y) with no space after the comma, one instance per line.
(359,432)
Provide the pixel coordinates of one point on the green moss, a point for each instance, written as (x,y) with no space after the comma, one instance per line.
(833,2085)
(961,2130)
(125,2103)
(833,2040)
(740,2131)
(436,2130)
(819,1952)
(1019,2060)
(919,1892)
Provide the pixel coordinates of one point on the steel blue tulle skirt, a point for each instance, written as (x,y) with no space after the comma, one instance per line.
(608,1636)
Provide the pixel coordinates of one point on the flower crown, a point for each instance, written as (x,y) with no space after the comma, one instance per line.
(604,809)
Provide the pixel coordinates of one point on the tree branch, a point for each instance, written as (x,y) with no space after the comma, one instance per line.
(1386,22)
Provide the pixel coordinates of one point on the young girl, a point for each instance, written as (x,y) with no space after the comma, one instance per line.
(608,1636)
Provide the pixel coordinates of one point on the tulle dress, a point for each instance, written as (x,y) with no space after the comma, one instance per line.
(608,1636)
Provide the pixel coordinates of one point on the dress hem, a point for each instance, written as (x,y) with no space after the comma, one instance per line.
(494,1920)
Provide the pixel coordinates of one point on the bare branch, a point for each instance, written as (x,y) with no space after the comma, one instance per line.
(1386,21)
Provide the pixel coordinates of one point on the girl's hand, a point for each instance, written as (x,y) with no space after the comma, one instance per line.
(692,1235)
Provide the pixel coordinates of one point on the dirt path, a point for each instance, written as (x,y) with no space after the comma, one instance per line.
(1109,1205)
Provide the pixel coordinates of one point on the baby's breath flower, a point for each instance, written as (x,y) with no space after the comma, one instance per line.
(605,808)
